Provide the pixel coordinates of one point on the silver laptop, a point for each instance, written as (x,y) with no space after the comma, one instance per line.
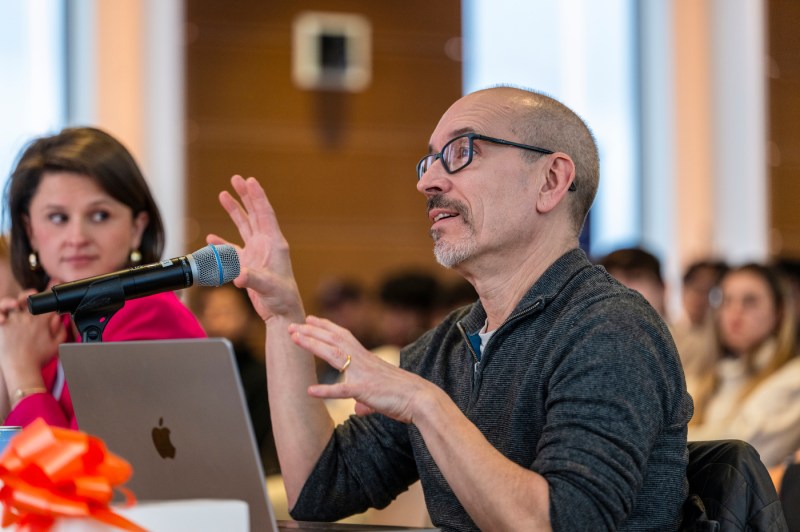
(175,410)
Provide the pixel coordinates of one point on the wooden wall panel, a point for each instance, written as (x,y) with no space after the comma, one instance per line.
(784,127)
(338,167)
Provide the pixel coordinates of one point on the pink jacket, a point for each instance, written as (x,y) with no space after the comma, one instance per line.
(157,317)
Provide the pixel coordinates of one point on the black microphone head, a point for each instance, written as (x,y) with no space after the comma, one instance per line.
(216,265)
(42,302)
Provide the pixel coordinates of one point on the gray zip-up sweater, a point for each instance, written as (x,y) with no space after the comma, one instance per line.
(581,384)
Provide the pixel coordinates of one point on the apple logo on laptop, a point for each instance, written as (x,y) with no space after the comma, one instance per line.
(161,440)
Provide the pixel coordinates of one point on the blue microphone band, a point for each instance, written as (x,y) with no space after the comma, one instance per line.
(219,263)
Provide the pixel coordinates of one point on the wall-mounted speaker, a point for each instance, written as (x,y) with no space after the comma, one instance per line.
(331,51)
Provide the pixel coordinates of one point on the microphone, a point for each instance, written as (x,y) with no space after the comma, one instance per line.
(208,266)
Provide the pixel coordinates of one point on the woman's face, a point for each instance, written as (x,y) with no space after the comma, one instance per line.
(748,314)
(78,230)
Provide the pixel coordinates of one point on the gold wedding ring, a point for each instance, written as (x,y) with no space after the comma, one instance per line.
(346,364)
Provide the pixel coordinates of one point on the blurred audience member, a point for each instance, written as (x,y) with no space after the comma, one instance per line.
(786,477)
(753,393)
(454,295)
(790,269)
(347,303)
(693,332)
(8,285)
(407,302)
(226,312)
(641,271)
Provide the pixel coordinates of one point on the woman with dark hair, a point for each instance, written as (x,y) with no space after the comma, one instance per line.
(78,206)
(753,391)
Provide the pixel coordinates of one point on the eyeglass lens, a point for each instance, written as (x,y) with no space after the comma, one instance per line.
(455,155)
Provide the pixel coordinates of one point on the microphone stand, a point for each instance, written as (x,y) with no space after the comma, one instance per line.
(102,299)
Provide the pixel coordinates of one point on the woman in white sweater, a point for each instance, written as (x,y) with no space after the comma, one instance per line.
(753,391)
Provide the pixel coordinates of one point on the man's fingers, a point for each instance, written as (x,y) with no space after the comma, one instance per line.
(339,390)
(236,213)
(313,330)
(252,213)
(261,282)
(343,335)
(261,208)
(242,190)
(320,348)
(363,410)
(217,240)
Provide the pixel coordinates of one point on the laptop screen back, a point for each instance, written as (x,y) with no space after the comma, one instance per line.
(176,411)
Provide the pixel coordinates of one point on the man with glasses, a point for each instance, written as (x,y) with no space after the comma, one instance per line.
(556,401)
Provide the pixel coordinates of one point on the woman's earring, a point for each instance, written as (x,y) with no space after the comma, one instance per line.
(33,260)
(136,256)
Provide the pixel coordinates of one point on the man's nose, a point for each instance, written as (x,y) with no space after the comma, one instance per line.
(435,180)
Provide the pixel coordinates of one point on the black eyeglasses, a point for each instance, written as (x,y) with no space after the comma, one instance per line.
(457,154)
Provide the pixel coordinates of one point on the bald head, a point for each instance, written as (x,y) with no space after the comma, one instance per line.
(542,121)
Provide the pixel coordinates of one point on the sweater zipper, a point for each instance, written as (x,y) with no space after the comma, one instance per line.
(476,367)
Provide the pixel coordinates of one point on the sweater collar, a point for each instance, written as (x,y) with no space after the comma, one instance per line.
(544,290)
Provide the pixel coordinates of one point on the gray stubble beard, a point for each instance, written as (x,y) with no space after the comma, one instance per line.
(450,254)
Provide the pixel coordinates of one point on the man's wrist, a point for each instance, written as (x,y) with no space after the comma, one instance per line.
(428,405)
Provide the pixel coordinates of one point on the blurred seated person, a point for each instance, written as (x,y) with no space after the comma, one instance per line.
(452,296)
(693,332)
(790,269)
(226,312)
(406,301)
(8,285)
(346,302)
(78,206)
(639,270)
(786,477)
(753,391)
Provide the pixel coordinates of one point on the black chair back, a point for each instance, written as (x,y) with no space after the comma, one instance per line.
(730,489)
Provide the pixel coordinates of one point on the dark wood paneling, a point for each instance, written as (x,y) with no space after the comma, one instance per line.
(338,167)
(784,128)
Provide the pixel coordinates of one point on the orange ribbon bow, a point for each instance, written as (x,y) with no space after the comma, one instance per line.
(49,472)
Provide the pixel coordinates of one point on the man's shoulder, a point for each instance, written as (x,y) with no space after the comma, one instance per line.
(572,277)
(593,291)
(596,314)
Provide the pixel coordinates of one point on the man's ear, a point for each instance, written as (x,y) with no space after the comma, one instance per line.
(560,174)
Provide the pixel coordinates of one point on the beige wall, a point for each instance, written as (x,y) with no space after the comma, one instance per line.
(126,76)
(693,120)
(120,105)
